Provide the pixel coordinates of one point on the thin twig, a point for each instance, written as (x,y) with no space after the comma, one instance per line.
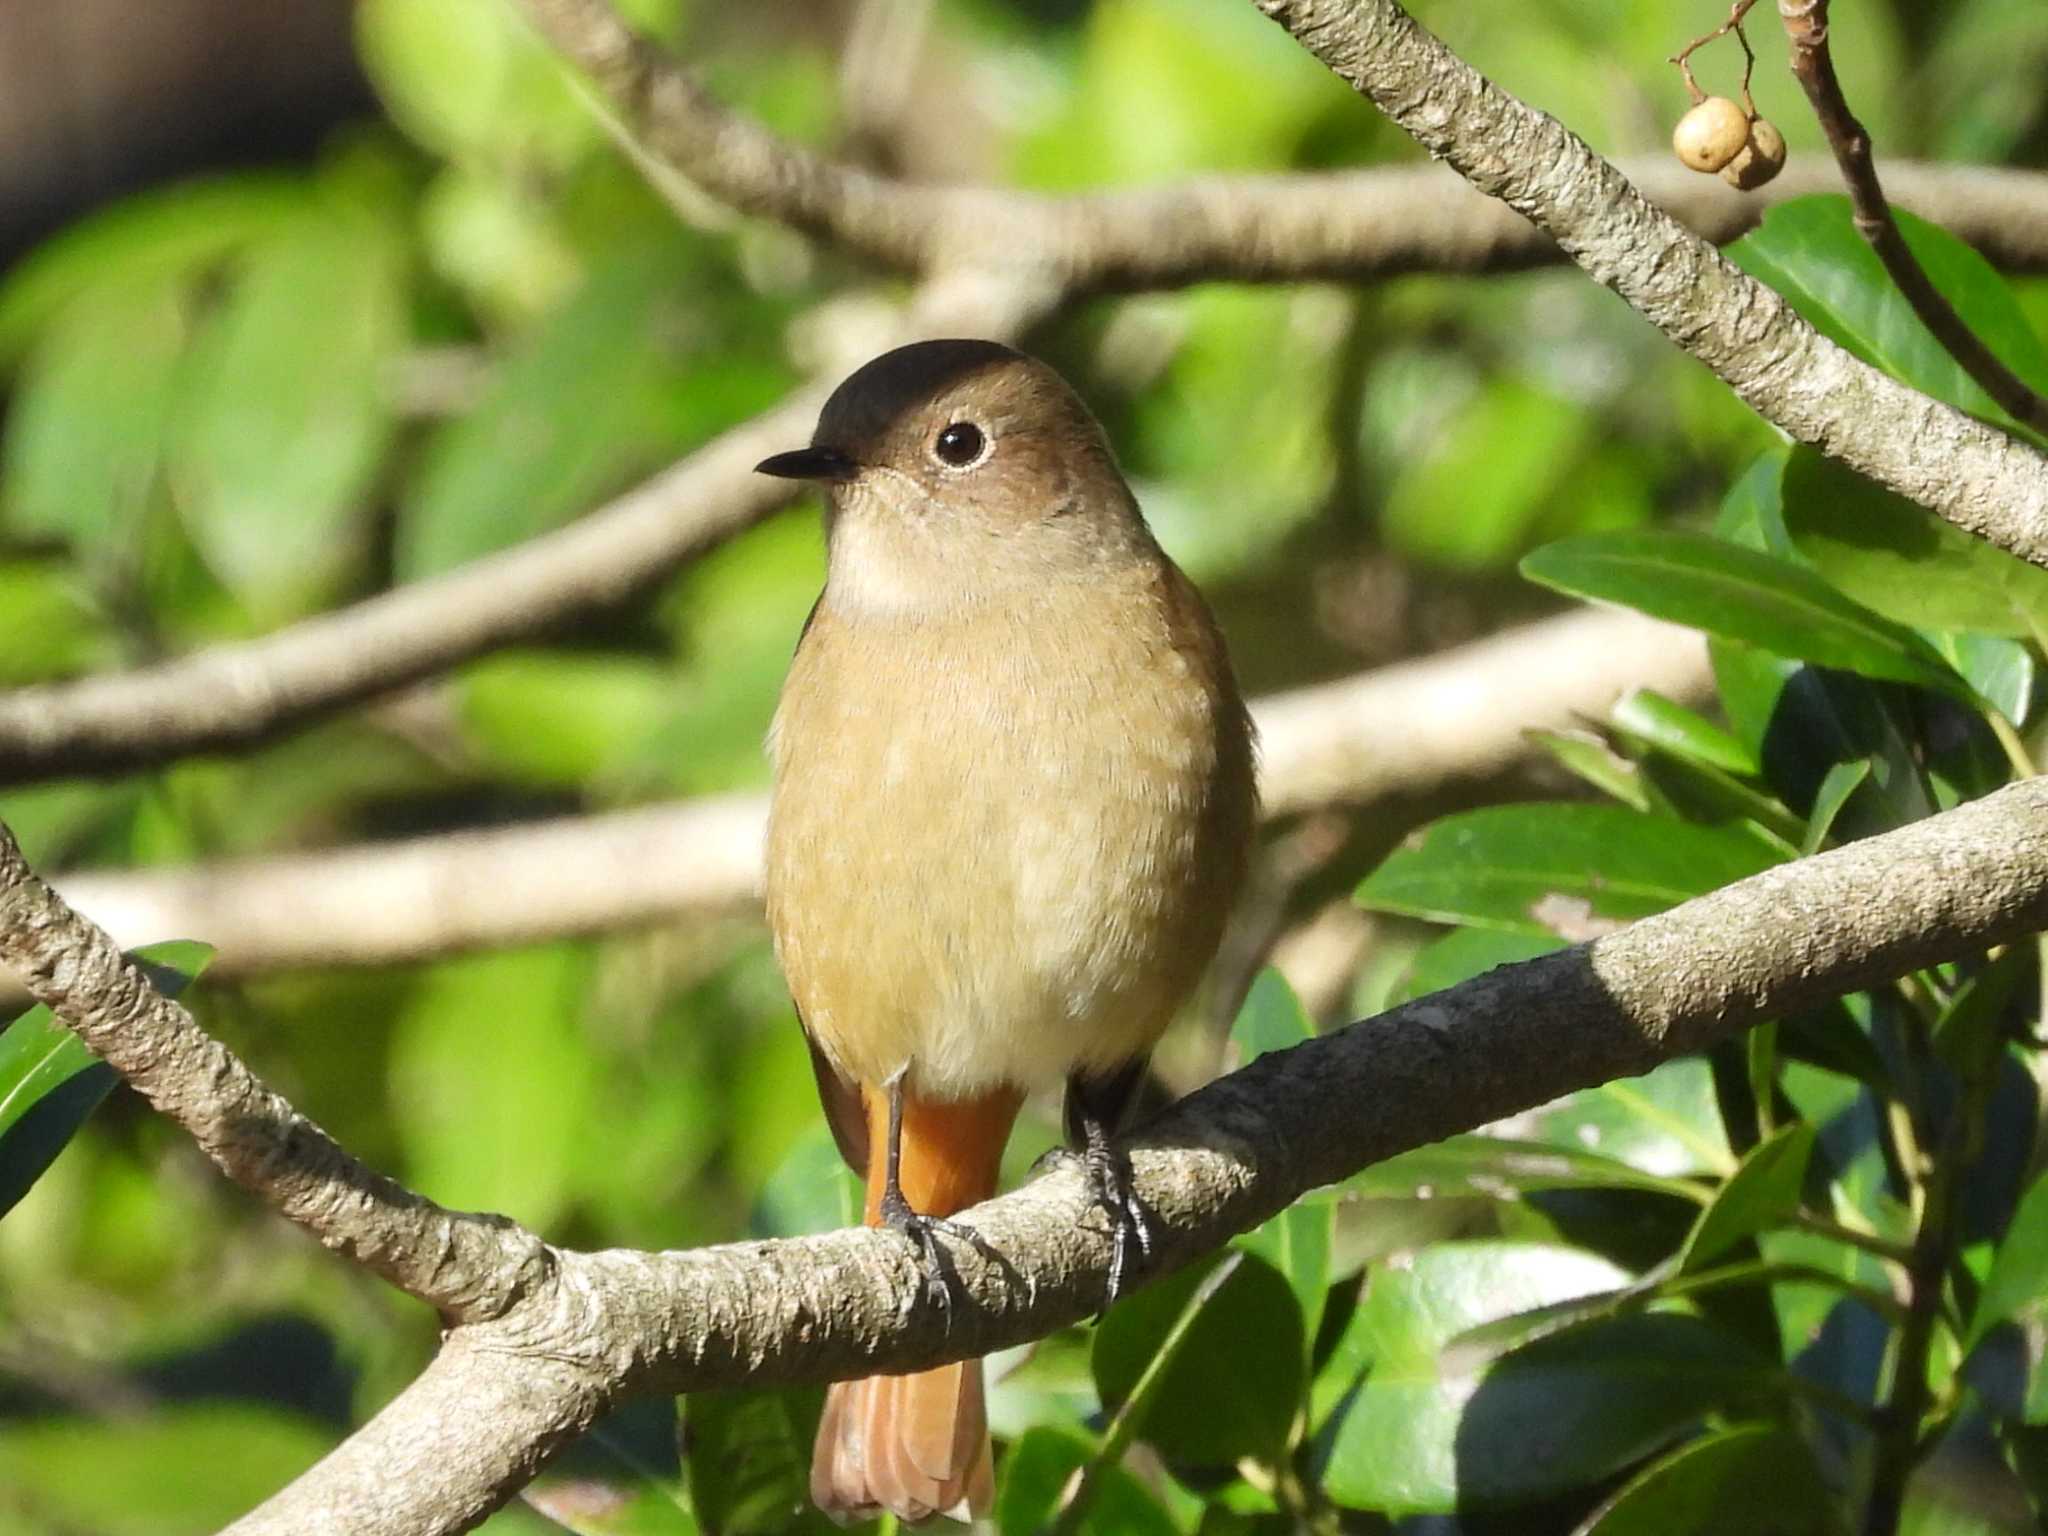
(1813,64)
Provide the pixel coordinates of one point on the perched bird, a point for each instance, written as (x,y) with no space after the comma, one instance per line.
(1012,807)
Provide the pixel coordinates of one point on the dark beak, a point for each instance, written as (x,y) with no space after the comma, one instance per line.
(813,463)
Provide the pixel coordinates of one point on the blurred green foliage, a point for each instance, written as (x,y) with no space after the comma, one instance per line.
(237,401)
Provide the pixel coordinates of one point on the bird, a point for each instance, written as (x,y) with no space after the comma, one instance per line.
(1013,802)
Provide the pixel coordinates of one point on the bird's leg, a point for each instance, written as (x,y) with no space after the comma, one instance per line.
(1094,1107)
(941,1282)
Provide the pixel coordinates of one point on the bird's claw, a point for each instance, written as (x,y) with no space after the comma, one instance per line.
(941,1281)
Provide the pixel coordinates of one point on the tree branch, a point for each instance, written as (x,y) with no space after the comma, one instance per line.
(1813,65)
(1462,716)
(465,1266)
(1971,474)
(587,1328)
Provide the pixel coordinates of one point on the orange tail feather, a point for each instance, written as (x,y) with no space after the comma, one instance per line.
(918,1445)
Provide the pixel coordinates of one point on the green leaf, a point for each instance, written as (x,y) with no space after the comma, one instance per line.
(612,383)
(285,421)
(49,1081)
(1903,561)
(1246,1348)
(1759,1479)
(169,236)
(749,1460)
(1296,1241)
(85,433)
(1671,727)
(492,1080)
(1808,249)
(1739,594)
(1035,1473)
(1564,870)
(2016,1290)
(1471,499)
(183,1467)
(1586,756)
(2001,670)
(1431,1429)
(1467,952)
(1498,1167)
(1762,1192)
(48,624)
(1666,1122)
(563,718)
(1839,783)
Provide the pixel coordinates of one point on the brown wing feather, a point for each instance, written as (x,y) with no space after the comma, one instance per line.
(845,1106)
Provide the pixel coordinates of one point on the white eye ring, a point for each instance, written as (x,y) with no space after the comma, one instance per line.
(961,445)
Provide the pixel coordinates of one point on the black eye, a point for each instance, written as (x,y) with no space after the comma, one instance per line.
(960,444)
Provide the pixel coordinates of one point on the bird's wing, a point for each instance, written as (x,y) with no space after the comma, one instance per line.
(845,1105)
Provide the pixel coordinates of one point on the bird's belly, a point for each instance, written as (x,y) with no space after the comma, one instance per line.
(991,905)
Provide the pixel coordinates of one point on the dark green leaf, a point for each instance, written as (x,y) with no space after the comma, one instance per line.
(621,1479)
(2016,1290)
(1665,1122)
(749,1460)
(1808,249)
(2001,670)
(1037,1471)
(1464,953)
(1762,1192)
(1584,754)
(1673,728)
(1739,594)
(1561,870)
(49,1081)
(1246,1348)
(1497,1168)
(1296,1242)
(1431,1430)
(1839,783)
(1901,560)
(1759,1479)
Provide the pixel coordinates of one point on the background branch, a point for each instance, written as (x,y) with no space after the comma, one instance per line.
(1462,714)
(1974,475)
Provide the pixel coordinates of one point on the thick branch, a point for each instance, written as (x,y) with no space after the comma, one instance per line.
(1218,1163)
(1973,475)
(1461,714)
(1813,65)
(465,1266)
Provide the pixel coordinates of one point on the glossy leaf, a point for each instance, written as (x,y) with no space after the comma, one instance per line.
(49,1081)
(1808,249)
(1246,1347)
(1901,560)
(1037,1471)
(2001,670)
(1586,756)
(1464,953)
(1435,1430)
(748,1456)
(1673,728)
(1562,870)
(1296,1241)
(1759,1479)
(1665,1122)
(1739,594)
(1499,1167)
(1762,1192)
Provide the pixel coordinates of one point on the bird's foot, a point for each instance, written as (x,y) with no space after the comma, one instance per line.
(1108,1177)
(941,1281)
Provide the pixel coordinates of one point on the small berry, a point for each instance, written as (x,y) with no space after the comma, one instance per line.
(1711,134)
(1761,158)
